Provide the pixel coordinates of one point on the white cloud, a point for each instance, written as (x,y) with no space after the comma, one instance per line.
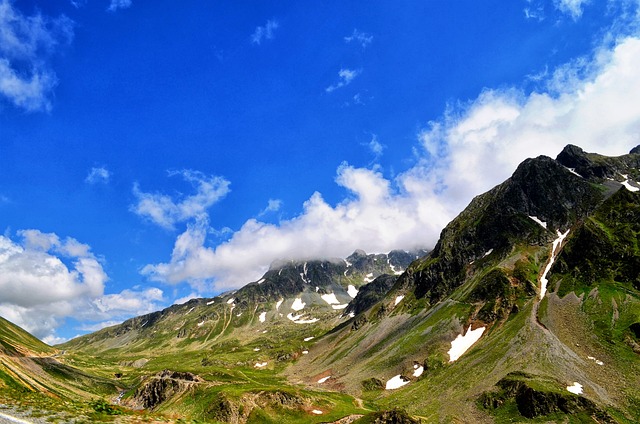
(98,175)
(187,298)
(119,4)
(346,76)
(473,147)
(264,32)
(362,38)
(571,7)
(165,212)
(26,44)
(45,279)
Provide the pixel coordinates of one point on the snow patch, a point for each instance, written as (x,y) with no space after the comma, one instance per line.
(260,364)
(352,291)
(261,281)
(369,278)
(298,319)
(323,379)
(339,307)
(210,302)
(554,247)
(263,316)
(575,389)
(352,314)
(399,299)
(230,301)
(306,339)
(317,412)
(190,310)
(256,349)
(418,371)
(305,352)
(462,343)
(330,298)
(298,304)
(488,252)
(278,303)
(200,324)
(396,382)
(542,223)
(597,361)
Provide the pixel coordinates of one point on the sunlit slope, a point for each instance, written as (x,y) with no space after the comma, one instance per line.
(29,366)
(485,275)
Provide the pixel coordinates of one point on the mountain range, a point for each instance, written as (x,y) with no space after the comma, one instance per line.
(526,310)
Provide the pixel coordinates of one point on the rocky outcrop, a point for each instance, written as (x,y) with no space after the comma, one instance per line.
(395,416)
(162,387)
(532,401)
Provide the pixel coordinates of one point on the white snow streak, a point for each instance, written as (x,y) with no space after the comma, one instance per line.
(317,412)
(490,251)
(306,339)
(278,303)
(260,364)
(462,343)
(263,316)
(535,218)
(399,299)
(338,307)
(323,379)
(210,302)
(543,279)
(230,301)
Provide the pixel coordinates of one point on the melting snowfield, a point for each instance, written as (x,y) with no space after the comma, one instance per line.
(399,299)
(462,343)
(396,382)
(263,316)
(575,389)
(352,291)
(417,370)
(298,304)
(330,298)
(554,252)
(542,223)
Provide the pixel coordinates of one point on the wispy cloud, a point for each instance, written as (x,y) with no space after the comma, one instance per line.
(26,45)
(164,211)
(571,7)
(119,4)
(346,76)
(359,37)
(376,147)
(273,205)
(534,10)
(98,175)
(470,149)
(265,32)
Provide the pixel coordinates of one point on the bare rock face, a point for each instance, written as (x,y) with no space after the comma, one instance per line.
(162,387)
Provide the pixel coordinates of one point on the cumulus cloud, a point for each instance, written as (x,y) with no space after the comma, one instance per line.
(119,4)
(265,32)
(471,148)
(273,205)
(26,44)
(346,76)
(164,211)
(359,37)
(98,175)
(45,279)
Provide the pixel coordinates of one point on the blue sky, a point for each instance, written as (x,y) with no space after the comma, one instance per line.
(156,151)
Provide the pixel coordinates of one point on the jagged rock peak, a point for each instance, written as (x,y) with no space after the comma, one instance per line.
(635,150)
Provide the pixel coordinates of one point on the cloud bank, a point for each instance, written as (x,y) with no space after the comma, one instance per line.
(45,279)
(471,148)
